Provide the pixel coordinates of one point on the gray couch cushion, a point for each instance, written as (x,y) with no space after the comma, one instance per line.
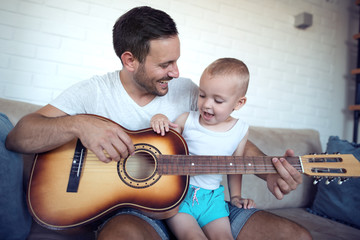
(319,227)
(15,220)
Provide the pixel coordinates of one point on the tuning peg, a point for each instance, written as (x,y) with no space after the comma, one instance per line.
(317,180)
(342,180)
(329,180)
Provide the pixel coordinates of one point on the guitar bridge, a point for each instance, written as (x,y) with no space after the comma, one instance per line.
(76,167)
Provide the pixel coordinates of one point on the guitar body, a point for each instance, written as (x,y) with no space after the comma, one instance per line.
(105,187)
(70,187)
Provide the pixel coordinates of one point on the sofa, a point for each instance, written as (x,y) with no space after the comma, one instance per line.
(272,141)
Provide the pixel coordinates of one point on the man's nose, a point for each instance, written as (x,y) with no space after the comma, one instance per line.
(174,72)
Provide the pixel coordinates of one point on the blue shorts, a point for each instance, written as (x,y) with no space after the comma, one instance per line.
(205,205)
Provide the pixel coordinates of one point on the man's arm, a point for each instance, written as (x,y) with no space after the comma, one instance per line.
(50,127)
(287,177)
(40,131)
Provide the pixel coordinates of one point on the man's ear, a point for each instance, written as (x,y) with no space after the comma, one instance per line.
(129,61)
(241,102)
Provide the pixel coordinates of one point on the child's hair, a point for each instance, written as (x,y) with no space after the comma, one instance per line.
(230,66)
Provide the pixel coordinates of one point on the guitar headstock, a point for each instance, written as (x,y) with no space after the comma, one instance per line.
(330,166)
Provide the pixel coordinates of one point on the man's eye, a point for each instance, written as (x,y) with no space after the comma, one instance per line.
(164,65)
(202,96)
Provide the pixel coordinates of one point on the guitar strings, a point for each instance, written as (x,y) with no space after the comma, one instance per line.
(213,168)
(201,159)
(93,163)
(147,156)
(233,159)
(187,172)
(257,165)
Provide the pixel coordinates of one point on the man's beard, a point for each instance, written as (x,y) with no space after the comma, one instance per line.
(142,79)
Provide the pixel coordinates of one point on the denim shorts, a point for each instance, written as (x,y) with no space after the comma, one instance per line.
(238,217)
(158,225)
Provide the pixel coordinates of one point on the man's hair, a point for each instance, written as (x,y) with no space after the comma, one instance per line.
(230,66)
(134,30)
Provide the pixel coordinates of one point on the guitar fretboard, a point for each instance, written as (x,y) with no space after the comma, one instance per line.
(193,165)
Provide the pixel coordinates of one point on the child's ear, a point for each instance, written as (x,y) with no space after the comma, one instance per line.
(241,102)
(129,61)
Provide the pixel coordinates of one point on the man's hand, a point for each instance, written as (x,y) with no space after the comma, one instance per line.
(105,139)
(287,178)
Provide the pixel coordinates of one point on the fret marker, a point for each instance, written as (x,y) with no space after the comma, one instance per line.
(192,164)
(249,164)
(231,164)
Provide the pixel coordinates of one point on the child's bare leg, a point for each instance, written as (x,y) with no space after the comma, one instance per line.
(218,229)
(184,226)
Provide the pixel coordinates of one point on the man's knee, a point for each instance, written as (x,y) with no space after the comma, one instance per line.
(305,234)
(265,225)
(127,227)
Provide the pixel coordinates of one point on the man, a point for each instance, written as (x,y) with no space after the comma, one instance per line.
(146,41)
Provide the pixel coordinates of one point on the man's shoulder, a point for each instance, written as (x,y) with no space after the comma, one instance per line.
(181,79)
(108,76)
(108,79)
(183,83)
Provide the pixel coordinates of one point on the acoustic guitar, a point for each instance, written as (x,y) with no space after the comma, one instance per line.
(70,187)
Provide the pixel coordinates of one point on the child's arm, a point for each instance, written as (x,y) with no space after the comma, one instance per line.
(235,181)
(161,124)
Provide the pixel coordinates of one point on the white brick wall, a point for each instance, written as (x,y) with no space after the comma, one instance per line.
(299,78)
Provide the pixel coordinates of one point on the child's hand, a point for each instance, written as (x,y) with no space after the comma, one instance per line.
(161,124)
(243,202)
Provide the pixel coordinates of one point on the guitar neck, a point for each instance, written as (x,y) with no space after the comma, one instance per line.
(194,165)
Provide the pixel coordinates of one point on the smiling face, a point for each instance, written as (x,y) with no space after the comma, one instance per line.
(160,66)
(219,96)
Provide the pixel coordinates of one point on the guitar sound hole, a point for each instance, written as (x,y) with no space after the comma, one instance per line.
(140,166)
(140,170)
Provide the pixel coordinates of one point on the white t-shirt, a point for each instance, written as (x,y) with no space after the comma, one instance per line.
(106,96)
(202,141)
